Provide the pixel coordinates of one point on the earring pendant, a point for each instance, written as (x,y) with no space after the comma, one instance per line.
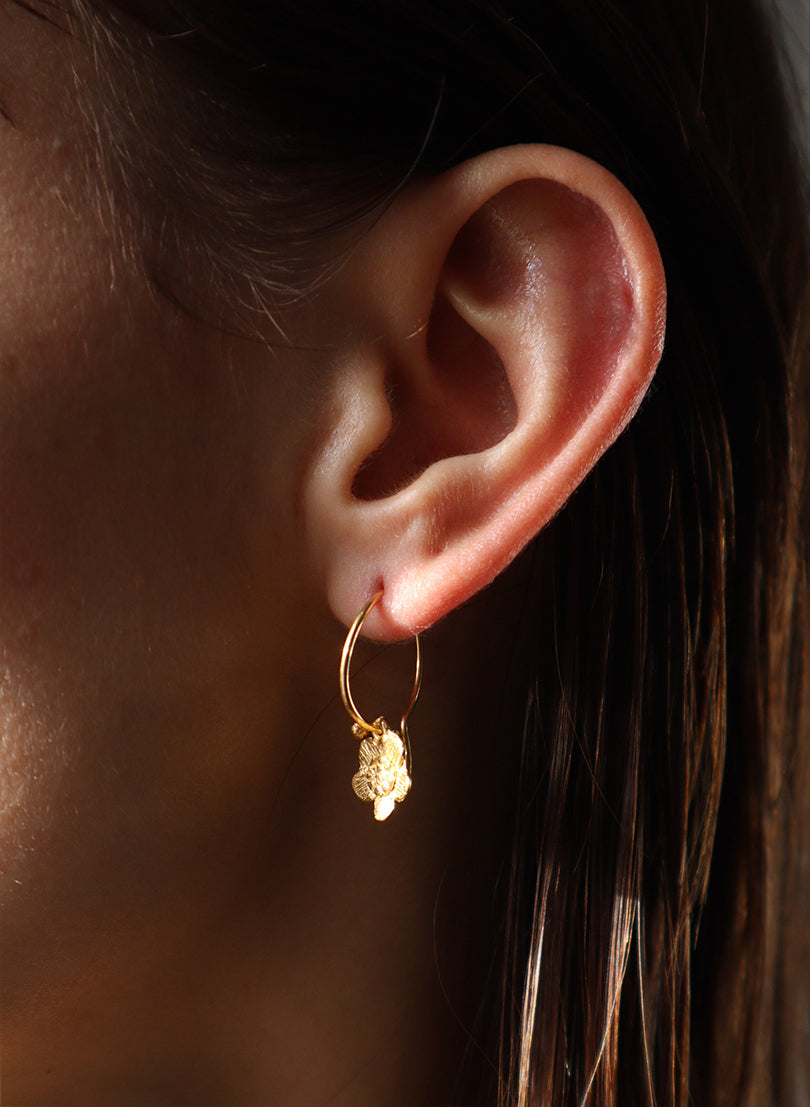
(384,774)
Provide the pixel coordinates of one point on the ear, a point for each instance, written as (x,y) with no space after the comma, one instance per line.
(507,318)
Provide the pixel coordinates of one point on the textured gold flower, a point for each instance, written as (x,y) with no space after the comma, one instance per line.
(383,774)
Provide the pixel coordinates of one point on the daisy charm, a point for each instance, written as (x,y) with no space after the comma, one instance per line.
(383,774)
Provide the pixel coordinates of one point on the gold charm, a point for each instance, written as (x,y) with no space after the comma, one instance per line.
(384,776)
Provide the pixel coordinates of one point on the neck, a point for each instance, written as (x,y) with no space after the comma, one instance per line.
(362,952)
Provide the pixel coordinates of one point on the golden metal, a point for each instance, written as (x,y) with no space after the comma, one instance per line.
(384,776)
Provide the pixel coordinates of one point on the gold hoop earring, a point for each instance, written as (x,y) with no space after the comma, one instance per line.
(384,776)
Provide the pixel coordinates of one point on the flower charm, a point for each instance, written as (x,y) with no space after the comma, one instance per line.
(383,774)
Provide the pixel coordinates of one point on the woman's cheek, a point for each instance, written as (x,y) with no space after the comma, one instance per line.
(128,644)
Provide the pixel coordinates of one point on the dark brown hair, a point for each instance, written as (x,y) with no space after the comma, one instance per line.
(654,952)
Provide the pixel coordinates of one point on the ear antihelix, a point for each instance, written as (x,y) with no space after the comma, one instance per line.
(539,271)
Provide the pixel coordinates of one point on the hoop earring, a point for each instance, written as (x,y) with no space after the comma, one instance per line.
(384,776)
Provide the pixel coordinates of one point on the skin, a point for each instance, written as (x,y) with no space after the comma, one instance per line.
(195,908)
(189,887)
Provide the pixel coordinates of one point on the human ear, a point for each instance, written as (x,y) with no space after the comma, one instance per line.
(510,317)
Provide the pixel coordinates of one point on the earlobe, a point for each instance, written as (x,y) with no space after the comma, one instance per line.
(517,306)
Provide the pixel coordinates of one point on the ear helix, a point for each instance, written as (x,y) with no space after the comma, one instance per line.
(384,776)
